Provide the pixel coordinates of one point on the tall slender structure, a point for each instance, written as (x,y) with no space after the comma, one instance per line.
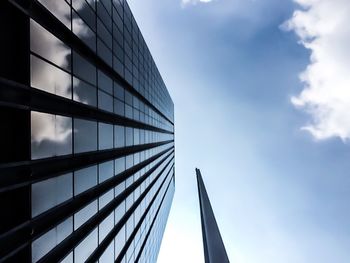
(214,249)
(86,137)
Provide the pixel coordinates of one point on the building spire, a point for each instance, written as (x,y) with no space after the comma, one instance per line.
(214,249)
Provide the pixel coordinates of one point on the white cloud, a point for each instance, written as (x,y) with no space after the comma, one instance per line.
(323,28)
(194,2)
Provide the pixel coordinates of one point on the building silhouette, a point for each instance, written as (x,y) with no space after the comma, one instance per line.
(214,249)
(87,135)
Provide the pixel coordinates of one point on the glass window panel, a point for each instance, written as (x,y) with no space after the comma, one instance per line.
(129,136)
(52,238)
(104,16)
(105,83)
(105,101)
(130,251)
(118,66)
(119,107)
(136,158)
(119,6)
(127,61)
(127,42)
(129,181)
(128,111)
(85,11)
(119,212)
(129,227)
(105,136)
(108,5)
(118,91)
(129,160)
(63,135)
(119,165)
(104,34)
(106,198)
(118,51)
(129,201)
(105,227)
(85,214)
(84,92)
(119,241)
(51,192)
(86,247)
(118,35)
(136,103)
(59,9)
(48,46)
(85,136)
(105,171)
(119,136)
(83,31)
(68,259)
(85,179)
(92,3)
(117,20)
(136,136)
(49,78)
(51,135)
(104,52)
(119,189)
(83,69)
(108,255)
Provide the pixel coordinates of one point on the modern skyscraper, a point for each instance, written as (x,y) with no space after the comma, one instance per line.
(214,249)
(87,135)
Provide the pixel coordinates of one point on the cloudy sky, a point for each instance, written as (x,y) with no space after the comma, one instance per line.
(262,100)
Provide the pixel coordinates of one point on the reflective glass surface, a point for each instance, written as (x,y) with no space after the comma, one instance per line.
(84,92)
(85,214)
(49,240)
(119,136)
(51,135)
(105,135)
(85,179)
(84,69)
(85,136)
(105,171)
(51,192)
(48,46)
(60,9)
(49,78)
(86,247)
(113,97)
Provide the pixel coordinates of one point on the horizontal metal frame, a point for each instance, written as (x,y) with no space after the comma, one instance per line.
(132,236)
(60,251)
(109,238)
(151,226)
(51,23)
(19,237)
(24,97)
(19,174)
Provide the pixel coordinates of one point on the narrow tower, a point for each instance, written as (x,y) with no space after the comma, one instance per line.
(214,249)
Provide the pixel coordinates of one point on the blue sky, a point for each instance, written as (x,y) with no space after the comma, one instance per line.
(273,155)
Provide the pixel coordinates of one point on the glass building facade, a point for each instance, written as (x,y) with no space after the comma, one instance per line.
(87,135)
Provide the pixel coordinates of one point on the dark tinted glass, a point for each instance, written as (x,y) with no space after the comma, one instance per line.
(84,92)
(85,136)
(105,83)
(83,69)
(105,135)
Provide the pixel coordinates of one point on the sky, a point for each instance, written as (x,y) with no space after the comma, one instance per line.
(261,94)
